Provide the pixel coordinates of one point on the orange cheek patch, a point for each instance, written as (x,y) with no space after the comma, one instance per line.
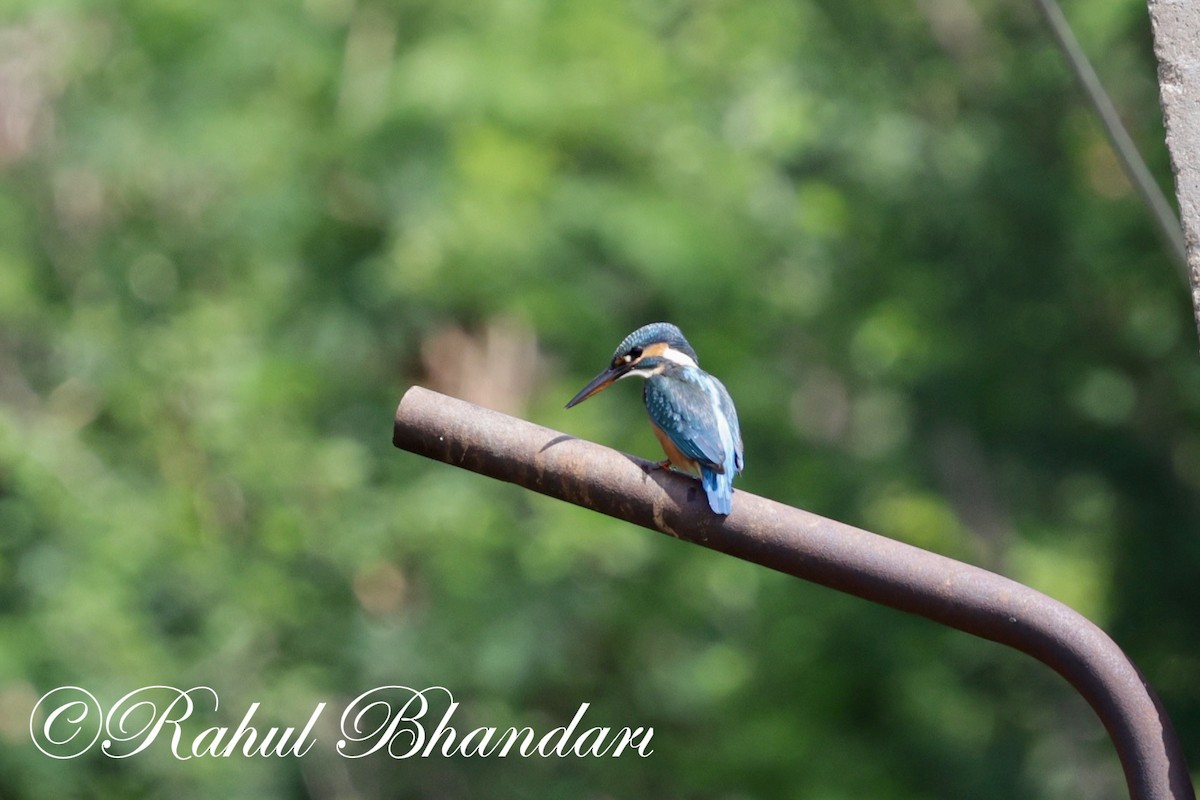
(656,349)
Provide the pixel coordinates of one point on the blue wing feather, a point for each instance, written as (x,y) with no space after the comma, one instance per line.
(684,411)
(695,411)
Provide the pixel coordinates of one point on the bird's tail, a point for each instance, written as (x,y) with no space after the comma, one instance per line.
(719,488)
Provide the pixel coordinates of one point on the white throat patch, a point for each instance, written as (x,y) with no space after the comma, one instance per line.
(679,357)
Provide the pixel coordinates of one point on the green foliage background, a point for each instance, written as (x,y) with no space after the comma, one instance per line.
(232,234)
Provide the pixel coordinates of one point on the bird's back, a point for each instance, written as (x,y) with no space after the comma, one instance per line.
(696,412)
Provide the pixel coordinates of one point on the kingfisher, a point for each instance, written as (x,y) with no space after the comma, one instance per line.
(690,411)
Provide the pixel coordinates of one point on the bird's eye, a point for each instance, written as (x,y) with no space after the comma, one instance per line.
(633,355)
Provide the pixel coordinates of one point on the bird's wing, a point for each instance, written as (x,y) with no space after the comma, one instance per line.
(688,414)
(731,415)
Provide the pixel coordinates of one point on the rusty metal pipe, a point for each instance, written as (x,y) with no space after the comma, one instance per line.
(820,550)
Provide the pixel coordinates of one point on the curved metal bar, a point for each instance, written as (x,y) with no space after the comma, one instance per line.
(820,550)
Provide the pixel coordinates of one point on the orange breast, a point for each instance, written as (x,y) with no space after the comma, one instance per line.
(677,459)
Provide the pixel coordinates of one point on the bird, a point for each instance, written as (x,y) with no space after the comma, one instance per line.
(691,412)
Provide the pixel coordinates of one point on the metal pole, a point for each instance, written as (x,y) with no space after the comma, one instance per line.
(1175,23)
(819,550)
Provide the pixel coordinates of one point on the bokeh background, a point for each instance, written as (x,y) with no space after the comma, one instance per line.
(232,234)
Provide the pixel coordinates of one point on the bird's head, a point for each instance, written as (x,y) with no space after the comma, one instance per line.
(645,352)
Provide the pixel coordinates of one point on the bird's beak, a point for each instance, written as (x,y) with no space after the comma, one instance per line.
(598,384)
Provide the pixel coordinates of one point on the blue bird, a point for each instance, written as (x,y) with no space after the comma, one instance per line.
(690,411)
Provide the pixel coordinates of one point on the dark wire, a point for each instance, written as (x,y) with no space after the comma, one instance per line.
(1131,160)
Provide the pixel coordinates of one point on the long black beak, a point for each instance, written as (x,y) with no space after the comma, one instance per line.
(599,383)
